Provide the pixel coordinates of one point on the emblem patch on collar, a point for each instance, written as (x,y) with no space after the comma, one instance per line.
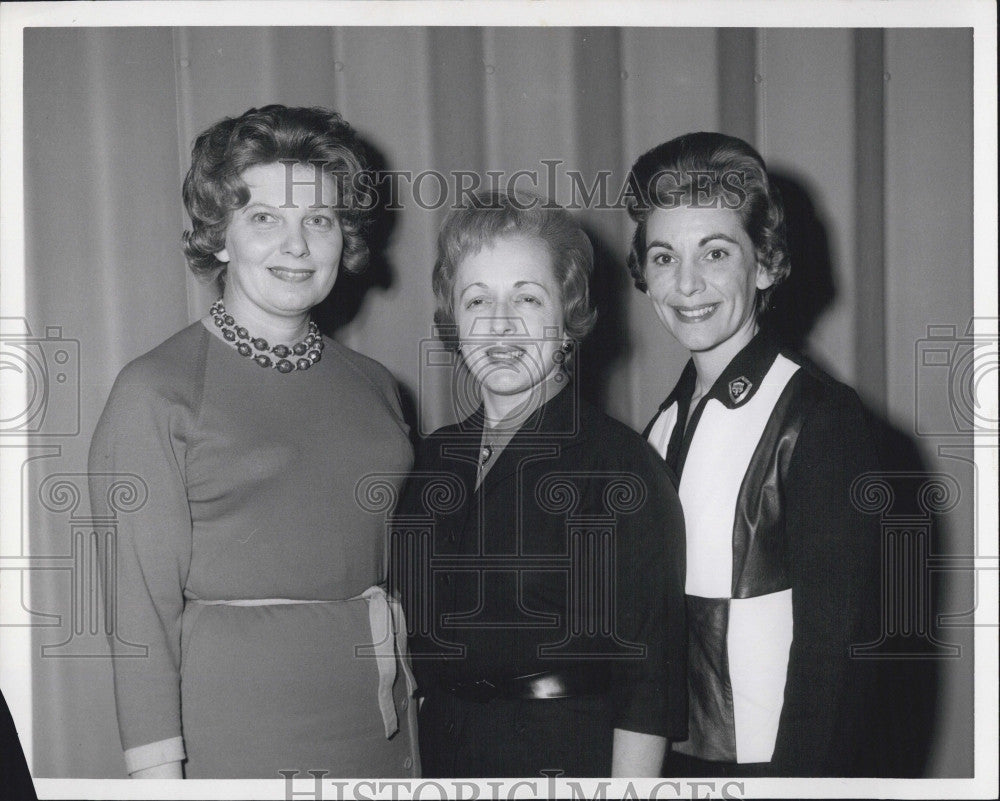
(738,388)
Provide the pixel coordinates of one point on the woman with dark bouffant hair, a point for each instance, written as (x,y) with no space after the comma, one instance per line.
(782,567)
(251,576)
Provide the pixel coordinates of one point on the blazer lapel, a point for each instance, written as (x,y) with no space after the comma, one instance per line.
(554,426)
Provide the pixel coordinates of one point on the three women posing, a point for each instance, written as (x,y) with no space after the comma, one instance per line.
(546,597)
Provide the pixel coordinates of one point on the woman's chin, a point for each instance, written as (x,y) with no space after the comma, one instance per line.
(510,389)
(506,388)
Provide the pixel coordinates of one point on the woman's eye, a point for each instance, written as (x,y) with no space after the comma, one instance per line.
(262,217)
(717,254)
(474,303)
(529,299)
(321,221)
(661,259)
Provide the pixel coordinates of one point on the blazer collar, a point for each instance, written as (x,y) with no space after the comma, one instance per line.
(558,423)
(738,382)
(559,414)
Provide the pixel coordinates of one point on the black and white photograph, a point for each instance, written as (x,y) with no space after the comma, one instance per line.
(497,400)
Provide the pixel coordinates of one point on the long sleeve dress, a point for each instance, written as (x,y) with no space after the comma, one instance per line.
(251,478)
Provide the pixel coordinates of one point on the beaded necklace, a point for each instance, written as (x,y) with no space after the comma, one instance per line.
(309,350)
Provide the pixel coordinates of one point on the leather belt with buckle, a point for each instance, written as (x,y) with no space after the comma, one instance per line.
(533,686)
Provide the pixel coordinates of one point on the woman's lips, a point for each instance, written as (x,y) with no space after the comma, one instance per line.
(695,314)
(290,275)
(504,353)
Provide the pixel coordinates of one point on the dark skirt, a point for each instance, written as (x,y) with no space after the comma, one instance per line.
(506,738)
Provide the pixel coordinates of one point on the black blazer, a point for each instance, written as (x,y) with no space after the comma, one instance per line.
(571,552)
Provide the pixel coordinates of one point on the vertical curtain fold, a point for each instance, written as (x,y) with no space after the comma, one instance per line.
(869,217)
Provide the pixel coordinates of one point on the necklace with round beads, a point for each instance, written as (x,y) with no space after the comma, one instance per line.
(305,353)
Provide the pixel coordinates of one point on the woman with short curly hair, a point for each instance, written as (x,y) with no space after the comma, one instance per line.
(547,606)
(214,186)
(251,575)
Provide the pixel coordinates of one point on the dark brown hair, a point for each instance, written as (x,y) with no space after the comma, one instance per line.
(704,168)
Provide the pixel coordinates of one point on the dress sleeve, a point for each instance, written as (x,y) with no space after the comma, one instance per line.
(139,439)
(834,552)
(377,375)
(650,694)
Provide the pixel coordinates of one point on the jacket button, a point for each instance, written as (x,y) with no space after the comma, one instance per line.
(449,727)
(408,763)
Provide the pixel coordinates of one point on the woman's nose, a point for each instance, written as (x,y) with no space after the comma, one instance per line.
(689,280)
(500,321)
(295,242)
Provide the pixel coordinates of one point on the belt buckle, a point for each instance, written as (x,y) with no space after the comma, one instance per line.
(481,690)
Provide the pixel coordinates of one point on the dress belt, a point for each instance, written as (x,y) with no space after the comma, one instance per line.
(388,627)
(565,683)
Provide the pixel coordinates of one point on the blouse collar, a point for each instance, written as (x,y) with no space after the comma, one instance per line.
(738,382)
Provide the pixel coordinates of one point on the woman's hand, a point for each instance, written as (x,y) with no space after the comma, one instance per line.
(168,770)
(637,755)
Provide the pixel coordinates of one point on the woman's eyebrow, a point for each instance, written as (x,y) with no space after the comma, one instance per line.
(519,284)
(473,285)
(265,205)
(660,243)
(705,240)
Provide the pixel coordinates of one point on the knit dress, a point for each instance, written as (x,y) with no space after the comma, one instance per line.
(243,575)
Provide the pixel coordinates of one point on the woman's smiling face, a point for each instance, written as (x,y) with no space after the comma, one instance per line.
(509,313)
(283,247)
(702,275)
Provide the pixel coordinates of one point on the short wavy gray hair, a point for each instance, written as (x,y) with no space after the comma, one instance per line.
(495,215)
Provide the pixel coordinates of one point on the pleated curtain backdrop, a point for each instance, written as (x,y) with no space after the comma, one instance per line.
(869,132)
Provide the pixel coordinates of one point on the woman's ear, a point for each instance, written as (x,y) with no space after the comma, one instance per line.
(764,277)
(223,256)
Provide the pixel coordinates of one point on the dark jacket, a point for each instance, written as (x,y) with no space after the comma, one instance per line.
(571,553)
(782,576)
